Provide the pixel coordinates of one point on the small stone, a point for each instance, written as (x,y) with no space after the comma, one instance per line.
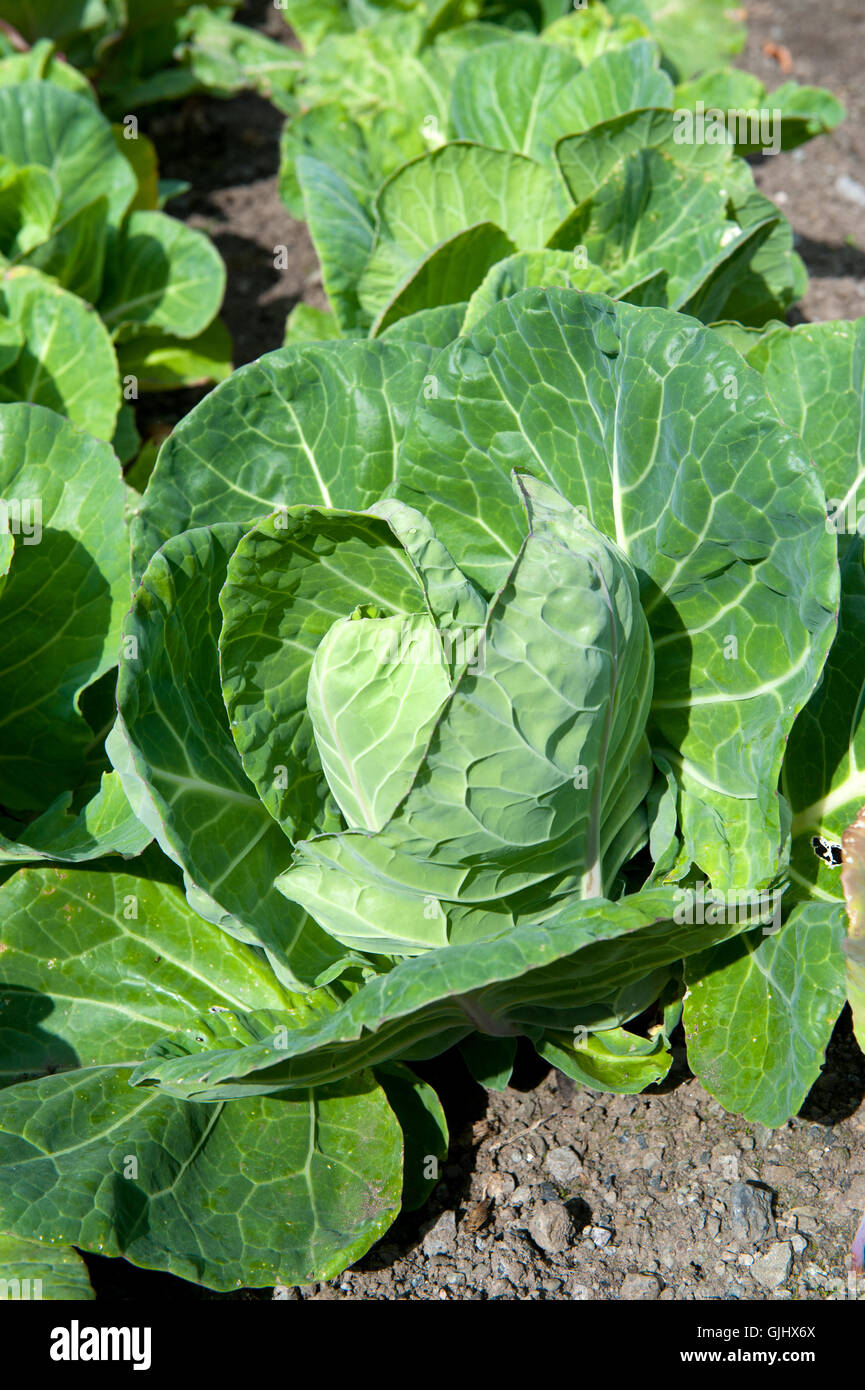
(600,1236)
(520,1196)
(563,1165)
(640,1286)
(441,1237)
(772,1269)
(750,1213)
(497,1288)
(725,1163)
(851,190)
(509,1268)
(799,1244)
(499,1186)
(550,1227)
(854,1198)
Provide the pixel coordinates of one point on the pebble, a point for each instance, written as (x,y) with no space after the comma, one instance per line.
(441,1237)
(725,1163)
(854,1198)
(640,1286)
(499,1186)
(772,1269)
(750,1213)
(850,189)
(599,1235)
(563,1165)
(550,1227)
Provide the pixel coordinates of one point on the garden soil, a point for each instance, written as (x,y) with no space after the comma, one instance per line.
(551,1191)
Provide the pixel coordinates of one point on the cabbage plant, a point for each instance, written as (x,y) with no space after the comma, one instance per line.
(141,51)
(82,229)
(527,150)
(468,694)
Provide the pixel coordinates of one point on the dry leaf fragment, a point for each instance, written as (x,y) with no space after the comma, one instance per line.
(781,53)
(476,1216)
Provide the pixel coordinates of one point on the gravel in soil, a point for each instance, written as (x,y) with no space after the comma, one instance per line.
(556,1192)
(552,1192)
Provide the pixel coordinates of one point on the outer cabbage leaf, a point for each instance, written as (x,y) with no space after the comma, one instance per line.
(74,252)
(159,362)
(159,273)
(225,1196)
(66,361)
(28,206)
(588,956)
(610,1059)
(448,275)
(98,966)
(760,1012)
(95,967)
(106,824)
(424,1128)
(42,64)
(815,377)
(57,1274)
(284,423)
(191,792)
(527,269)
(824,768)
(343,232)
(432,327)
(804,112)
(66,133)
(63,601)
(447,191)
(641,198)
